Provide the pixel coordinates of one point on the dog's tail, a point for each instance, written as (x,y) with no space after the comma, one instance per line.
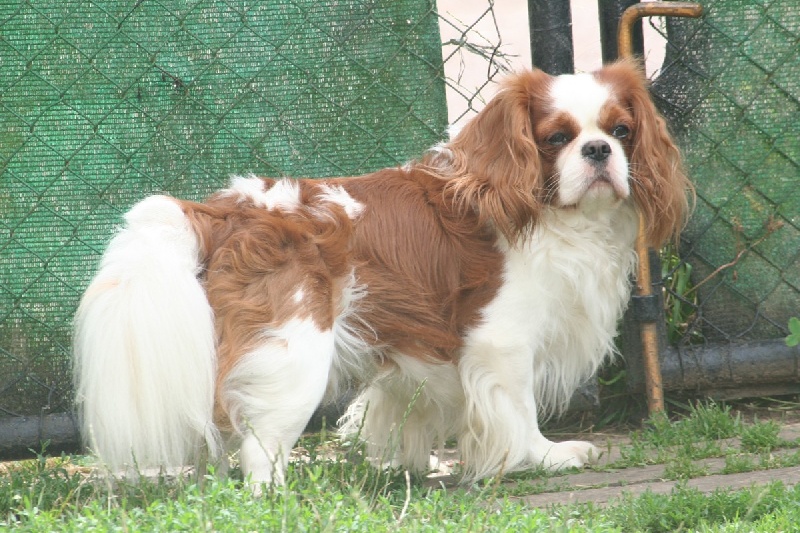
(144,361)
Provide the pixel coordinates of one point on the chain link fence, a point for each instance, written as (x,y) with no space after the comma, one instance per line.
(103,103)
(732,91)
(730,86)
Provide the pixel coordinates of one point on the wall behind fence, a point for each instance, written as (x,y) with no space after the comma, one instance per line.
(102,103)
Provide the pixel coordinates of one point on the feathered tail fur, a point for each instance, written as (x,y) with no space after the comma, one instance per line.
(144,361)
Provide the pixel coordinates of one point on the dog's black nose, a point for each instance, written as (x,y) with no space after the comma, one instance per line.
(596,150)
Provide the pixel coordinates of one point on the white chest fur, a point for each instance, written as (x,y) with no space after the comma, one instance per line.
(563,292)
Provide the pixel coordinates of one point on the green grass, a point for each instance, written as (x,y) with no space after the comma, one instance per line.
(761,437)
(693,436)
(319,497)
(770,509)
(60,494)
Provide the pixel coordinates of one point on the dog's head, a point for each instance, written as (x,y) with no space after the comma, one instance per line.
(585,141)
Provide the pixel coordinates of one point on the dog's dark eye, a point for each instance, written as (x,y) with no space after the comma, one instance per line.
(558,139)
(621,131)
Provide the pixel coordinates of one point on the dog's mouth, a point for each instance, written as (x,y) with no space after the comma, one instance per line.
(600,181)
(603,184)
(599,186)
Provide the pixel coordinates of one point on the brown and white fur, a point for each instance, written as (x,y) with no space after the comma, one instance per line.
(486,279)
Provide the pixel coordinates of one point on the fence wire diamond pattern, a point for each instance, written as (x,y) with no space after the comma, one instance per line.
(731,86)
(102,103)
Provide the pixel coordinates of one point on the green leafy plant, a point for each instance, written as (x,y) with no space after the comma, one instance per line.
(680,298)
(761,436)
(793,339)
(682,467)
(738,463)
(705,421)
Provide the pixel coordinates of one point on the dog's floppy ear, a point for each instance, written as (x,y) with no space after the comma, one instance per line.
(495,159)
(658,181)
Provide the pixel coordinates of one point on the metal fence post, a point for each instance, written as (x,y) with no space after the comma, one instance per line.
(551,36)
(644,286)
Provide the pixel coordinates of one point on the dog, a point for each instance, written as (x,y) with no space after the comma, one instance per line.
(466,294)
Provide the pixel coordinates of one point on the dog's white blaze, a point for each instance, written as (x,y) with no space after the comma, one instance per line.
(582,97)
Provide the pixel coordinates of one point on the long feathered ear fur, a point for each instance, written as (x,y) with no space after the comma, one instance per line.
(658,181)
(494,161)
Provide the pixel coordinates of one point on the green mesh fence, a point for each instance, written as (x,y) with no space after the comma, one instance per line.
(104,102)
(731,87)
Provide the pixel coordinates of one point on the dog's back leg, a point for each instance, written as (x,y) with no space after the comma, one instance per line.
(271,393)
(409,408)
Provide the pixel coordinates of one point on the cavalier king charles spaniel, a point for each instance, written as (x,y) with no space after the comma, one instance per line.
(464,295)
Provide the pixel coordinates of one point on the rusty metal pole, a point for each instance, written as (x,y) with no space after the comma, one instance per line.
(644,288)
(610,13)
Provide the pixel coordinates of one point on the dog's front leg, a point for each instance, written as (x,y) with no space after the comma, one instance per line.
(501,430)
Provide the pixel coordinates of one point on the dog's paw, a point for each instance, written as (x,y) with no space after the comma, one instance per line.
(569,454)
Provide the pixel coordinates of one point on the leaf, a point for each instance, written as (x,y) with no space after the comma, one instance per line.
(793,339)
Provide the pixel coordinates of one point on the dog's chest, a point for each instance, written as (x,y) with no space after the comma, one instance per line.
(567,282)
